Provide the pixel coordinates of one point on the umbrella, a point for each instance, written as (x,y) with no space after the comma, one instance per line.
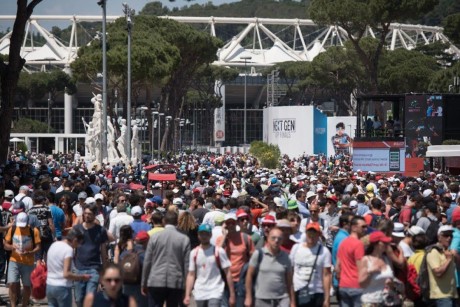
(16,140)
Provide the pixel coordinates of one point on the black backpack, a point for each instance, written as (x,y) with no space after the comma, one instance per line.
(432,232)
(423,279)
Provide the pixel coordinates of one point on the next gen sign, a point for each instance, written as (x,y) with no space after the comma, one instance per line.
(282,128)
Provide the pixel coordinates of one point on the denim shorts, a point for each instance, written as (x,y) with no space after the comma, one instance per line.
(18,271)
(58,296)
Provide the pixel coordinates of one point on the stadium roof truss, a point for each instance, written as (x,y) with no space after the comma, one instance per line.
(262,41)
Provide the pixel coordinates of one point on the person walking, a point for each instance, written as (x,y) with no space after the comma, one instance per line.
(375,274)
(23,241)
(165,264)
(60,277)
(273,283)
(312,269)
(349,257)
(91,255)
(208,273)
(111,295)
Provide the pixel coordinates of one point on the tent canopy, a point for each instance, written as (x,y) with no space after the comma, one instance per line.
(443,151)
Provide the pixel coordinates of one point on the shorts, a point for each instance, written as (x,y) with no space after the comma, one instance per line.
(19,270)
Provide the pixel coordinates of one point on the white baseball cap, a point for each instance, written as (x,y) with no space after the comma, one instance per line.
(136,211)
(22,219)
(98,196)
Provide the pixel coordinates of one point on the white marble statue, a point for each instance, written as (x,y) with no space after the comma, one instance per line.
(121,141)
(112,154)
(135,153)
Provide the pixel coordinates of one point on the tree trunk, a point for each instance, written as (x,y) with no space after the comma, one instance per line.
(9,74)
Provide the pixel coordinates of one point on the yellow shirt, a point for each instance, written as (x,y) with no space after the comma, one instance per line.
(416,259)
(444,286)
(155,230)
(23,241)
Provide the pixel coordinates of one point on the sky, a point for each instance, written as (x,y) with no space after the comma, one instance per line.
(88,7)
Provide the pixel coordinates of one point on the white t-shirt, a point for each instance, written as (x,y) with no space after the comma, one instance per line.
(208,283)
(302,259)
(78,210)
(58,251)
(407,251)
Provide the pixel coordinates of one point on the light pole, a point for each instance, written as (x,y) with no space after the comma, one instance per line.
(245,58)
(159,136)
(50,102)
(144,126)
(103,3)
(168,122)
(128,13)
(153,129)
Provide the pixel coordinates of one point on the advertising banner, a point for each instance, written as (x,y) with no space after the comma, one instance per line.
(321,135)
(340,132)
(379,156)
(291,128)
(424,123)
(219,115)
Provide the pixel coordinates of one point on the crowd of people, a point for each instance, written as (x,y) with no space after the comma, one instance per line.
(228,232)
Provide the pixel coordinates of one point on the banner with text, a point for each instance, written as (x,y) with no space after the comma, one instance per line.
(219,114)
(379,156)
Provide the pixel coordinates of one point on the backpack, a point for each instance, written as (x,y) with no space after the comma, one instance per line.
(38,281)
(321,222)
(423,279)
(432,232)
(375,220)
(19,202)
(132,268)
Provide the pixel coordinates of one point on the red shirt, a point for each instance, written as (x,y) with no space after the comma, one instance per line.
(405,215)
(368,217)
(256,214)
(350,251)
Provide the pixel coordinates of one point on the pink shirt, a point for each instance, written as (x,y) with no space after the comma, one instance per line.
(350,251)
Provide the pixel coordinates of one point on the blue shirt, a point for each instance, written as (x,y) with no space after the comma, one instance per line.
(341,235)
(139,225)
(58,219)
(450,211)
(362,209)
(455,245)
(303,209)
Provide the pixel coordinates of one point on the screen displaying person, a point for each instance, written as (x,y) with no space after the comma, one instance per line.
(341,140)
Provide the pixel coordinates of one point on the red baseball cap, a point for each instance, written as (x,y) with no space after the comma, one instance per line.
(196,190)
(378,236)
(241,213)
(268,219)
(314,226)
(333,198)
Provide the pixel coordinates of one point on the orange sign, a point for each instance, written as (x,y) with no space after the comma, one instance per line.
(413,166)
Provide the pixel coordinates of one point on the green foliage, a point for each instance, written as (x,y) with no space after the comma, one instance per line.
(354,16)
(268,154)
(403,71)
(451,142)
(21,146)
(443,79)
(27,125)
(452,28)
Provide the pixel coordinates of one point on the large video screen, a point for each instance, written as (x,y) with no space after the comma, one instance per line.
(424,123)
(379,156)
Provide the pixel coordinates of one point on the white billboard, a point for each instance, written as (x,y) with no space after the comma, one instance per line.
(291,128)
(338,128)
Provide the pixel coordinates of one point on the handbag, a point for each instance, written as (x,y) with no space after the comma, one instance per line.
(304,297)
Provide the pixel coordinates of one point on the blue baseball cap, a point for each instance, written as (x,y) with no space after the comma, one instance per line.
(205,228)
(156,199)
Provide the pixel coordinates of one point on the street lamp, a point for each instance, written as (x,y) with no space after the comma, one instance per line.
(128,13)
(245,58)
(153,129)
(103,4)
(168,122)
(159,136)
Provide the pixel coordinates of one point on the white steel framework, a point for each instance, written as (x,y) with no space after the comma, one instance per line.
(261,39)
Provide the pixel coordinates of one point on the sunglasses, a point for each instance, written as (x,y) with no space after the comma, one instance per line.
(447,235)
(314,211)
(110,280)
(274,238)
